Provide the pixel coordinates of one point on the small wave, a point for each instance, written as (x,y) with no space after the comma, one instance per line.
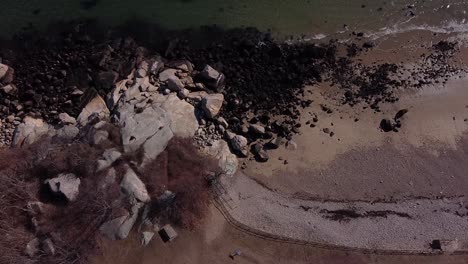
(446,28)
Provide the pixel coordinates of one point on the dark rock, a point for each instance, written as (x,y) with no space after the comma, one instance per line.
(386,125)
(400,114)
(260,154)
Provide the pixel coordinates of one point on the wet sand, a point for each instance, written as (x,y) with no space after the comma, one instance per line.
(426,158)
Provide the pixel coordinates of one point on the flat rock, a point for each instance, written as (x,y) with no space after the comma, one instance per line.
(212,104)
(184,123)
(66,184)
(197,96)
(150,129)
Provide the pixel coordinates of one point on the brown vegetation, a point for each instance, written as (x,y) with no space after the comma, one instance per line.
(73,226)
(182,170)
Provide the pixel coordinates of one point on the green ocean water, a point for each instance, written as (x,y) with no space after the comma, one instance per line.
(314,18)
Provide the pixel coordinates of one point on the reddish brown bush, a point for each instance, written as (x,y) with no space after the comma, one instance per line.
(182,170)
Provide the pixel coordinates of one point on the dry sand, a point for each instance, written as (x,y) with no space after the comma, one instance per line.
(215,239)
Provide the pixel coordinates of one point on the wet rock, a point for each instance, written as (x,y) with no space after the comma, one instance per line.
(386,125)
(65,184)
(133,187)
(212,104)
(400,114)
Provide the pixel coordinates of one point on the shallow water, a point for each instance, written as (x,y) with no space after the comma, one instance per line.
(315,18)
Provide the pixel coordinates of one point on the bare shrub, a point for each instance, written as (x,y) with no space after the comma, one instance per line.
(186,170)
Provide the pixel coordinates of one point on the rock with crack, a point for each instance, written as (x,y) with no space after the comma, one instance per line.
(29,131)
(227,161)
(134,188)
(66,184)
(120,227)
(182,114)
(149,130)
(95,106)
(212,104)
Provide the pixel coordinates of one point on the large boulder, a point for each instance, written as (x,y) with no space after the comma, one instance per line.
(227,161)
(120,227)
(184,122)
(149,130)
(66,184)
(29,131)
(95,106)
(212,103)
(133,187)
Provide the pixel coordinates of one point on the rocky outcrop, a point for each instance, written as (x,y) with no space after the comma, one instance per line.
(65,184)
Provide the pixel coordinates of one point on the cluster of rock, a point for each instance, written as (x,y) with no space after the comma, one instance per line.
(151,106)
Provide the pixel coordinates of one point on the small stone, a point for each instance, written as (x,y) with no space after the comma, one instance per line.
(10,118)
(212,104)
(326,130)
(260,154)
(175,84)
